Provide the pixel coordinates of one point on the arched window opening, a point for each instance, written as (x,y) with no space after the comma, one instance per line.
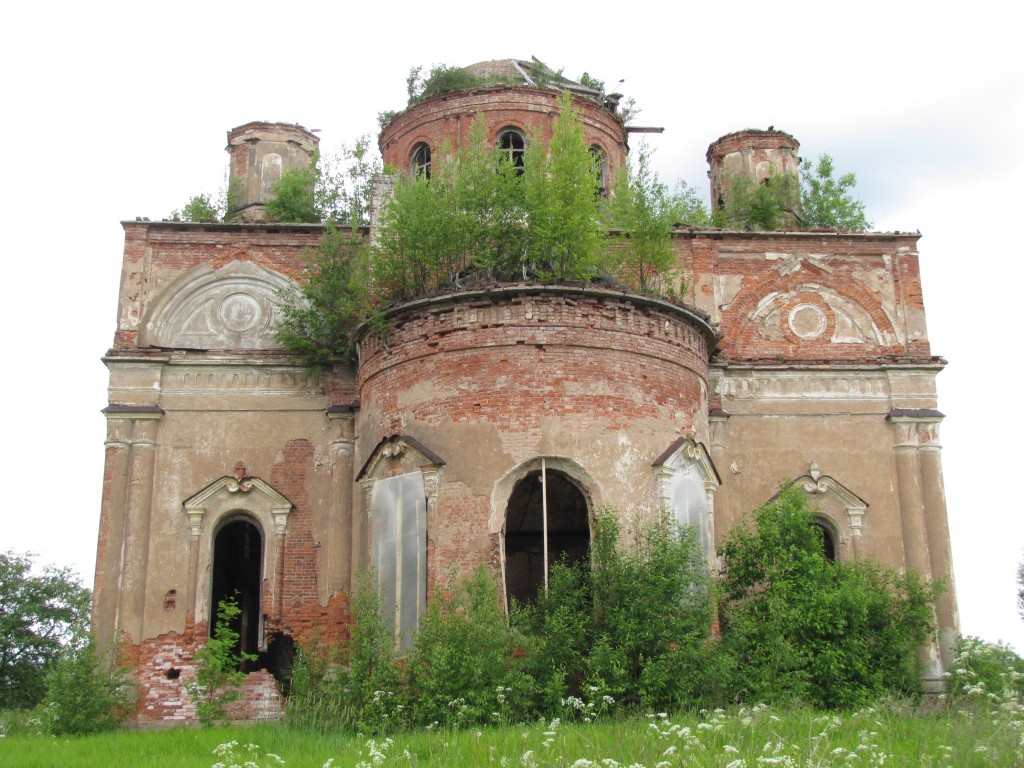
(420,165)
(513,144)
(600,158)
(237,573)
(828,540)
(567,531)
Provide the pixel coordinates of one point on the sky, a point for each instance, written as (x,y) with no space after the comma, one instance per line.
(118,110)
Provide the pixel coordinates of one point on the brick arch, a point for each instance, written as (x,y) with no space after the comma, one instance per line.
(739,330)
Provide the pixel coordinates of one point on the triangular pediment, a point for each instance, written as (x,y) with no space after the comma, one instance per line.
(399,451)
(247,493)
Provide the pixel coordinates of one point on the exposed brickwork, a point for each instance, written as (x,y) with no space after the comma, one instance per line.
(446,120)
(163,666)
(489,383)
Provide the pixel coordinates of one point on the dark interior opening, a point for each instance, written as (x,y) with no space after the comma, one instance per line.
(237,565)
(828,541)
(568,532)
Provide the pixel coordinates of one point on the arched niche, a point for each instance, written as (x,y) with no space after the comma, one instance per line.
(234,307)
(546,521)
(515,515)
(230,498)
(687,480)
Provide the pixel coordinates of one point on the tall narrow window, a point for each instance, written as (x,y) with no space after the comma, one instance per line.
(600,159)
(566,531)
(237,574)
(513,143)
(421,160)
(398,521)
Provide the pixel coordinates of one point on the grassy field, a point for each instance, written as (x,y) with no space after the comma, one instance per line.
(885,735)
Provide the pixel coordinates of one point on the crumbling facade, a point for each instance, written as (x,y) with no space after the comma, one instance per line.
(231,469)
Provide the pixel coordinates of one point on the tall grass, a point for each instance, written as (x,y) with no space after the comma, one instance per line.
(893,733)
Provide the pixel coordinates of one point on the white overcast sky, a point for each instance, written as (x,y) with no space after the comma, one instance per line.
(113,111)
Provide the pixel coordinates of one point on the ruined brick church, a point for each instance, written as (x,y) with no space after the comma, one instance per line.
(487,425)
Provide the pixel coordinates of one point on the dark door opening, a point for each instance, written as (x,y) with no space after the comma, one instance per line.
(237,566)
(568,532)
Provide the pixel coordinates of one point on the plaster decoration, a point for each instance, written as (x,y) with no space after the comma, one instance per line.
(233,497)
(237,492)
(234,307)
(809,311)
(574,472)
(756,385)
(815,483)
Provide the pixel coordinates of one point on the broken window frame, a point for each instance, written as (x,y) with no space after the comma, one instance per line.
(419,160)
(512,142)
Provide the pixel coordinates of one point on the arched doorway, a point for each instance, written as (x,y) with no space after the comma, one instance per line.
(567,530)
(237,573)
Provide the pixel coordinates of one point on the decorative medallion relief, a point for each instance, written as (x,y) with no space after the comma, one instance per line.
(811,312)
(230,308)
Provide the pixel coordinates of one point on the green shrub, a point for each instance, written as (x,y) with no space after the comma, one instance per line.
(644,212)
(796,625)
(198,208)
(355,684)
(982,668)
(82,695)
(218,674)
(319,319)
(462,655)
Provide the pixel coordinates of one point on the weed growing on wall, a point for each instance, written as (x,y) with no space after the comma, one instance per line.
(644,211)
(218,674)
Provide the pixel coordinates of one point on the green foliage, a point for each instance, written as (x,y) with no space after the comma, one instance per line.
(442,79)
(294,197)
(797,625)
(332,189)
(633,625)
(765,206)
(564,222)
(198,208)
(462,656)
(319,318)
(479,213)
(1020,589)
(42,614)
(218,673)
(644,212)
(826,202)
(83,695)
(354,684)
(982,670)
(652,614)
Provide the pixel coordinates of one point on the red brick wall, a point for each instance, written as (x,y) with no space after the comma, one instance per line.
(447,119)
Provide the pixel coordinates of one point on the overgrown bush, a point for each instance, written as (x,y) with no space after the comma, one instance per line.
(83,695)
(796,625)
(218,675)
(354,684)
(766,206)
(462,655)
(982,670)
(318,322)
(632,632)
